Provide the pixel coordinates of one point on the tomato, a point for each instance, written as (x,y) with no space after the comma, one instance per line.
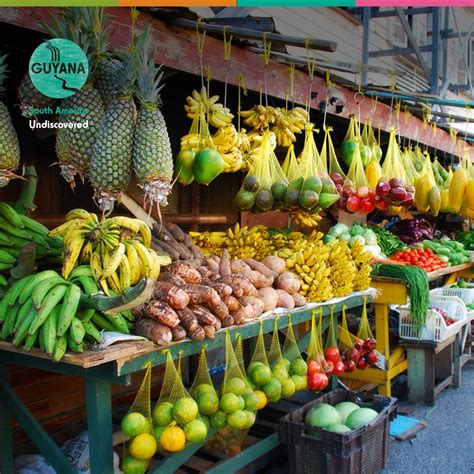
(332,354)
(328,367)
(313,367)
(317,381)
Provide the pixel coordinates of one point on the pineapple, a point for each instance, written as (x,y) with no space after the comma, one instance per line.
(30,97)
(9,146)
(105,78)
(111,163)
(74,145)
(152,157)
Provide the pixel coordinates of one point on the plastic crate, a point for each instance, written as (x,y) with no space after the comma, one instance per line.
(435,328)
(316,451)
(465,294)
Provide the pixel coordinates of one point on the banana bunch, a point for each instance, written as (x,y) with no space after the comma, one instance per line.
(194,141)
(244,242)
(343,269)
(303,218)
(211,243)
(362,259)
(18,230)
(117,249)
(255,139)
(228,142)
(43,309)
(259,117)
(312,266)
(200,103)
(287,123)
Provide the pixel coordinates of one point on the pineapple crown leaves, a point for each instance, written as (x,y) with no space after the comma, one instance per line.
(3,72)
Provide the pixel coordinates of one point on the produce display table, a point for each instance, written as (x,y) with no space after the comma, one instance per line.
(394,292)
(115,367)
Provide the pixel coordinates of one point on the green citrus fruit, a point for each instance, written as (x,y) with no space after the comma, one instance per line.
(280,373)
(157,432)
(252,366)
(208,403)
(251,417)
(218,420)
(272,389)
(162,414)
(143,446)
(236,386)
(237,420)
(230,402)
(288,388)
(195,431)
(298,367)
(300,381)
(185,410)
(133,424)
(261,375)
(131,465)
(184,166)
(252,401)
(202,388)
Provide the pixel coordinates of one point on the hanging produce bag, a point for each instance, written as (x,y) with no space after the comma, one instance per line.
(291,352)
(368,139)
(329,159)
(265,185)
(259,372)
(356,195)
(427,193)
(137,426)
(331,351)
(365,342)
(290,166)
(459,185)
(349,355)
(317,378)
(411,173)
(352,138)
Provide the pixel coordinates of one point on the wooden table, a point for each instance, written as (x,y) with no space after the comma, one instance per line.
(100,372)
(394,292)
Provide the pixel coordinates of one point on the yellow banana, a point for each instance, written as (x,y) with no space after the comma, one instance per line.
(113,262)
(145,232)
(72,251)
(145,259)
(155,265)
(125,277)
(133,262)
(77,214)
(96,266)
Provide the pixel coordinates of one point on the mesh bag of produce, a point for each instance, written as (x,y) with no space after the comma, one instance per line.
(368,139)
(365,342)
(291,352)
(239,352)
(425,194)
(348,146)
(331,350)
(137,426)
(328,155)
(349,355)
(290,166)
(258,371)
(265,185)
(411,173)
(317,378)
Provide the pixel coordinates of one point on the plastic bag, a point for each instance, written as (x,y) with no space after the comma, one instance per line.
(328,157)
(331,350)
(411,173)
(137,426)
(368,139)
(265,184)
(317,378)
(291,352)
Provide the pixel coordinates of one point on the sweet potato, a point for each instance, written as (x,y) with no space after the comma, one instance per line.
(252,308)
(285,300)
(269,297)
(206,275)
(171,294)
(173,279)
(288,282)
(260,267)
(176,231)
(179,333)
(238,266)
(276,264)
(201,294)
(212,265)
(161,312)
(299,300)
(259,280)
(187,273)
(240,284)
(232,303)
(156,332)
(224,264)
(222,289)
(193,262)
(220,310)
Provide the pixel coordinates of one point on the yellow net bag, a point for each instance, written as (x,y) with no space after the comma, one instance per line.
(427,194)
(291,352)
(137,427)
(290,166)
(317,378)
(328,156)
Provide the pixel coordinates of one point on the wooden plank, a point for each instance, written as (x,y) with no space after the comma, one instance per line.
(449,270)
(177,49)
(391,291)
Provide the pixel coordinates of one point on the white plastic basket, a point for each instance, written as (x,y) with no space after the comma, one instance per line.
(465,294)
(435,328)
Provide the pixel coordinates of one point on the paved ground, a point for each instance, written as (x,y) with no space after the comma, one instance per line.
(446,446)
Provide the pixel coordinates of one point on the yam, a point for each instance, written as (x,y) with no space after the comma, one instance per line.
(197,333)
(154,331)
(162,313)
(232,303)
(238,266)
(196,251)
(170,278)
(276,264)
(260,267)
(299,300)
(179,333)
(288,282)
(189,322)
(285,300)
(209,331)
(201,294)
(222,289)
(228,321)
(175,231)
(220,310)
(224,264)
(186,272)
(171,294)
(203,315)
(269,297)
(138,311)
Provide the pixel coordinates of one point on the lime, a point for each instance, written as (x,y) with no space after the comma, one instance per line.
(133,424)
(162,414)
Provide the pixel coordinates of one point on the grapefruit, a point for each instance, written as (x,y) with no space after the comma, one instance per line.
(261,375)
(185,410)
(237,420)
(208,403)
(130,465)
(298,367)
(143,446)
(133,424)
(345,409)
(322,415)
(173,439)
(195,431)
(218,420)
(251,401)
(162,414)
(229,403)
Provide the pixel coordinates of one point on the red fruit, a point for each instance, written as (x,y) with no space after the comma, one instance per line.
(347,191)
(366,206)
(410,189)
(317,381)
(397,194)
(380,203)
(371,357)
(313,367)
(410,200)
(370,344)
(363,192)
(332,354)
(372,195)
(339,368)
(382,188)
(327,367)
(338,187)
(350,366)
(396,183)
(353,204)
(358,344)
(341,204)
(362,363)
(354,355)
(337,178)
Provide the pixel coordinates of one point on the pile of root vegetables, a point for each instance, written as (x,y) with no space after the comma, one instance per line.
(196,298)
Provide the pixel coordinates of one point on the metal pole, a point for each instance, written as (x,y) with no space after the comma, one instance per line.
(435,52)
(274,38)
(365,44)
(445,45)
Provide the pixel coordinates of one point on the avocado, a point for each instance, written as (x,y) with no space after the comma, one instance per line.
(328,186)
(313,183)
(327,200)
(244,200)
(296,183)
(308,199)
(251,184)
(279,189)
(291,197)
(264,200)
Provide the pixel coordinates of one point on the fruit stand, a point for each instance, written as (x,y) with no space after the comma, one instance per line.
(117,370)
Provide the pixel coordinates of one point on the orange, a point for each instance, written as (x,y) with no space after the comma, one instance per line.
(143,446)
(173,439)
(263,399)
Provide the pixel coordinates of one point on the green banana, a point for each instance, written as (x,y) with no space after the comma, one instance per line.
(33,225)
(43,288)
(50,301)
(39,240)
(68,309)
(92,331)
(3,308)
(13,230)
(85,315)
(89,285)
(77,331)
(49,331)
(101,322)
(22,332)
(3,280)
(22,314)
(81,271)
(127,314)
(6,257)
(5,266)
(39,277)
(30,341)
(11,215)
(60,348)
(5,240)
(41,338)
(9,323)
(19,242)
(118,322)
(72,344)
(16,290)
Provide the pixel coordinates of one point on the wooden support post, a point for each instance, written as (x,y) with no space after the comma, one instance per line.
(6,439)
(99,426)
(383,345)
